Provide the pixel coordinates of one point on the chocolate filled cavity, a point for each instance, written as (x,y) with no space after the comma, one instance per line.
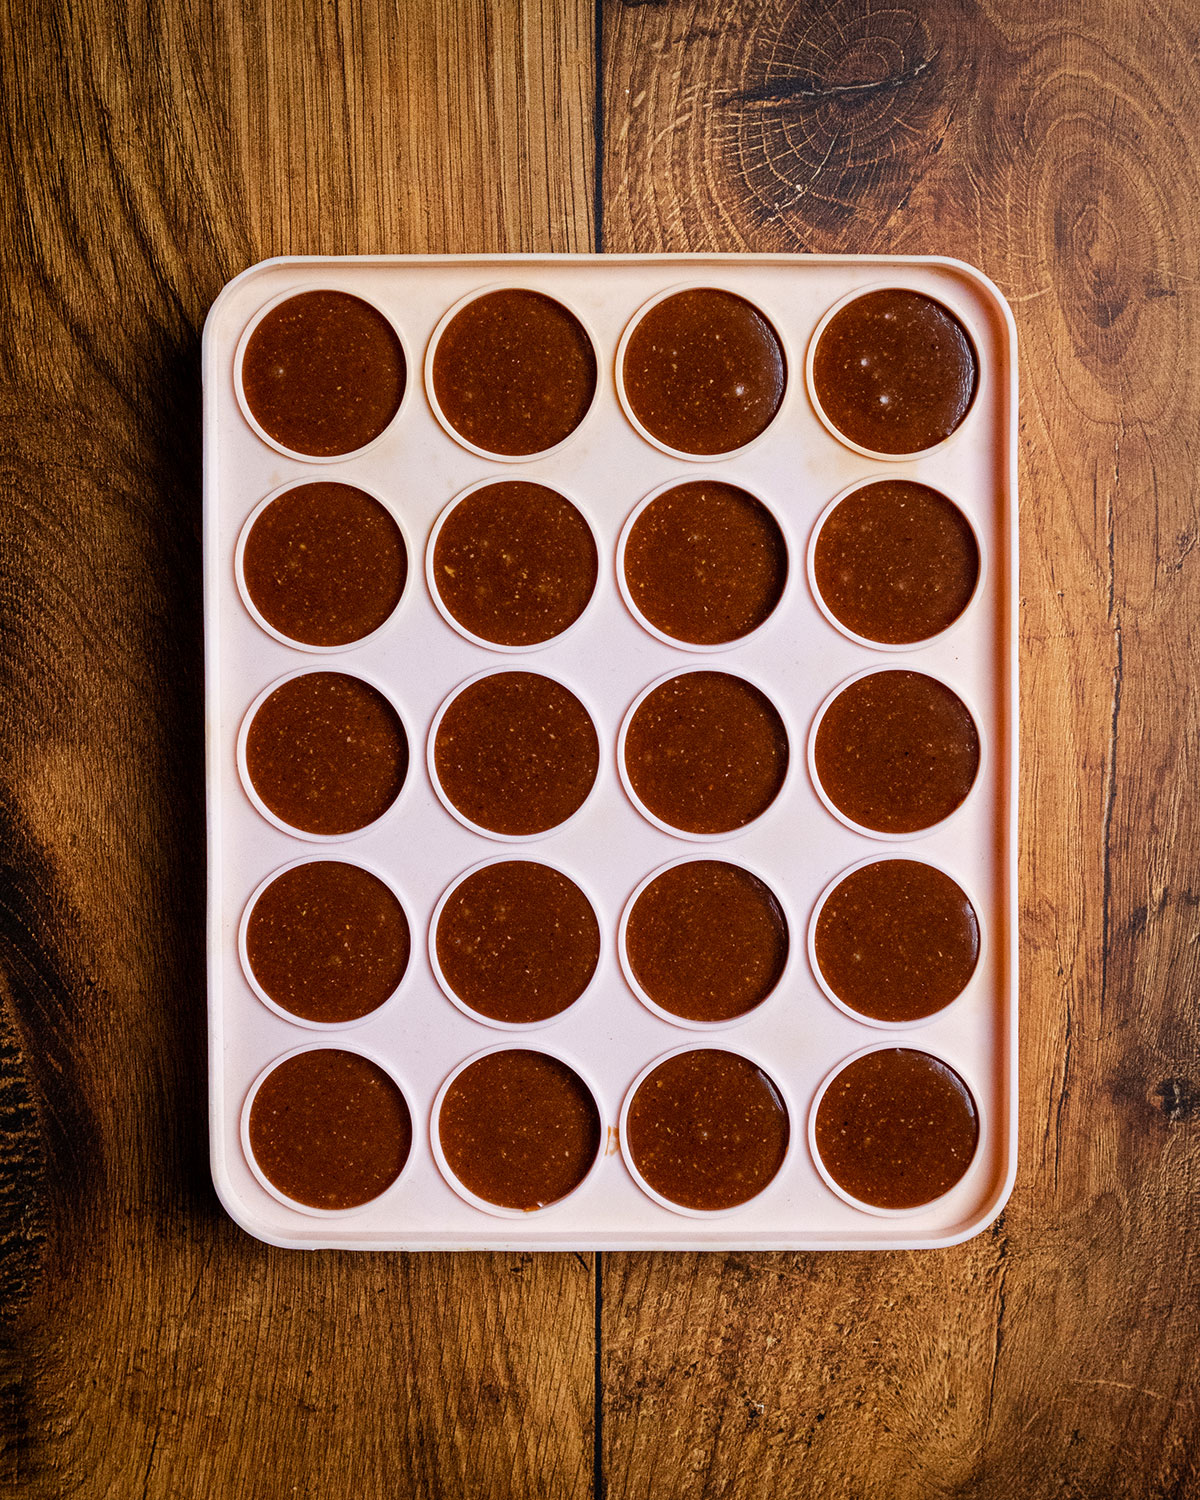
(325,564)
(897,940)
(707,1129)
(514,372)
(327,753)
(704,372)
(897,751)
(897,1128)
(707,940)
(896,562)
(706,752)
(327,941)
(323,373)
(515,563)
(895,371)
(330,1129)
(705,563)
(518,941)
(516,753)
(519,1129)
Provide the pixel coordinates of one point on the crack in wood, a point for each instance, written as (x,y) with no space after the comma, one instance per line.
(785,91)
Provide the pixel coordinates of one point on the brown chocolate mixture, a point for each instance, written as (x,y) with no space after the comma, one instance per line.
(895,371)
(707,940)
(516,753)
(323,373)
(327,753)
(515,563)
(325,564)
(704,371)
(705,562)
(518,941)
(897,1128)
(706,752)
(514,372)
(707,1129)
(897,751)
(328,941)
(519,1129)
(896,562)
(330,1129)
(897,940)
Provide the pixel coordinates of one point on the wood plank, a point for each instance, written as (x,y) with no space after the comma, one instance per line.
(149,1347)
(1056,147)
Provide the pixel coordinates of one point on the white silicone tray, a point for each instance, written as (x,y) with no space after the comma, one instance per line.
(799,847)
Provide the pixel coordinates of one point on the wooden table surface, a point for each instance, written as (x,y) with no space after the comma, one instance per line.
(150,1348)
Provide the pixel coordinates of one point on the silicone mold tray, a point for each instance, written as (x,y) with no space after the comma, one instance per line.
(799,847)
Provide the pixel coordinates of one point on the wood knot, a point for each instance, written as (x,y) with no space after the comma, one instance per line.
(838,104)
(1178,1098)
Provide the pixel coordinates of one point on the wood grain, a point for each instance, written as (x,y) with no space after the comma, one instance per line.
(1054,146)
(150,1348)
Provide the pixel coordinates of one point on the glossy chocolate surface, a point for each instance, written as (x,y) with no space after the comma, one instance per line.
(324,373)
(897,751)
(707,1129)
(707,940)
(896,562)
(325,564)
(330,1129)
(706,752)
(705,562)
(897,940)
(514,372)
(328,941)
(327,753)
(518,941)
(516,753)
(895,371)
(897,1128)
(519,1129)
(515,563)
(704,371)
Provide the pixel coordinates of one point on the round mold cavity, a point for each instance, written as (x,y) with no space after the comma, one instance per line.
(872,1208)
(253,422)
(683,833)
(443,796)
(691,647)
(293,1203)
(514,1027)
(484,1205)
(682,1208)
(289,828)
(862,640)
(436,407)
(826,988)
(323,1027)
(981,375)
(875,833)
(444,610)
(634,421)
(686,1022)
(252,608)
